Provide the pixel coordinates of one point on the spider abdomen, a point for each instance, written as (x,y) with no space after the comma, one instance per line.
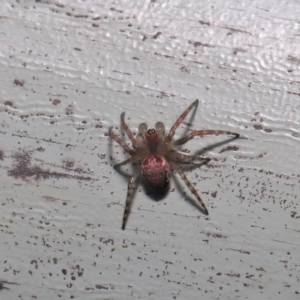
(156,172)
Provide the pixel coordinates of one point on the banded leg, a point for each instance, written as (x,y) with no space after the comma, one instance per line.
(129,198)
(127,161)
(202,133)
(192,189)
(128,131)
(183,158)
(120,142)
(180,119)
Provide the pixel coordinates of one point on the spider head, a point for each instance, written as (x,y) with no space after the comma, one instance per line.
(150,132)
(151,136)
(146,133)
(152,139)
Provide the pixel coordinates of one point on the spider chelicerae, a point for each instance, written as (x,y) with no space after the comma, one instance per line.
(154,152)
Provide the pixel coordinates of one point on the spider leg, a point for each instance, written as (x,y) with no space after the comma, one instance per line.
(180,119)
(202,133)
(183,158)
(128,131)
(127,161)
(192,189)
(120,142)
(129,198)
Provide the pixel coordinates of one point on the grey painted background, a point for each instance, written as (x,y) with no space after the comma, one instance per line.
(68,70)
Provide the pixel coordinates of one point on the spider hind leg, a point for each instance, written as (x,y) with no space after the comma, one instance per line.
(192,189)
(130,191)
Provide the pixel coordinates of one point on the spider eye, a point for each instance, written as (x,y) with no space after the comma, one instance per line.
(160,128)
(143,129)
(151,131)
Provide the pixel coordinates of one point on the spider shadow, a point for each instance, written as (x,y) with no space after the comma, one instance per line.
(154,195)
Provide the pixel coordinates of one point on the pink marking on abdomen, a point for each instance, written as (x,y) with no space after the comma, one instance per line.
(156,172)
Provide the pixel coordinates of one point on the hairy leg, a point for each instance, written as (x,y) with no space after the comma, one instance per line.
(130,190)
(128,131)
(202,133)
(127,161)
(183,158)
(191,188)
(180,119)
(120,142)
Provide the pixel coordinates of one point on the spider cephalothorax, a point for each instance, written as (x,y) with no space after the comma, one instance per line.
(156,155)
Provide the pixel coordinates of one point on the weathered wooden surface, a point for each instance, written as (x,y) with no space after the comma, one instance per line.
(68,70)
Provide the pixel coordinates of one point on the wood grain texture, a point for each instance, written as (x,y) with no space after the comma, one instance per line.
(69,69)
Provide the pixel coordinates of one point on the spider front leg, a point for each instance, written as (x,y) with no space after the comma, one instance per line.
(202,133)
(180,119)
(120,142)
(130,190)
(128,131)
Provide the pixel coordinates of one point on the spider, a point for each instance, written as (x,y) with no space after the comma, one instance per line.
(155,153)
